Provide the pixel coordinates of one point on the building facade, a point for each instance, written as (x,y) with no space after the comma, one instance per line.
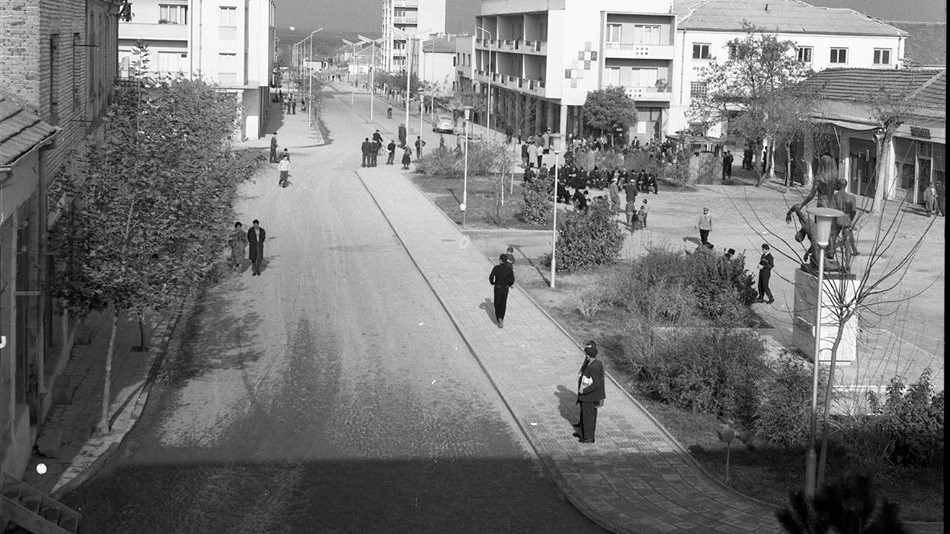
(229,43)
(824,38)
(540,59)
(407,17)
(58,63)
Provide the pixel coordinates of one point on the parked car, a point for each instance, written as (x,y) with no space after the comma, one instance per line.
(443,124)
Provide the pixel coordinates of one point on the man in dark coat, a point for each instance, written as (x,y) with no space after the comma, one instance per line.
(502,277)
(365,148)
(402,135)
(273,148)
(255,239)
(391,147)
(766,263)
(590,393)
(727,160)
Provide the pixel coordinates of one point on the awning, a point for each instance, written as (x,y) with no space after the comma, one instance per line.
(862,127)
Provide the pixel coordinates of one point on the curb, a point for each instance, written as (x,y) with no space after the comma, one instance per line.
(684,452)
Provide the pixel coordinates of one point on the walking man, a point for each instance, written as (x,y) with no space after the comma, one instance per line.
(284,168)
(502,277)
(704,223)
(402,135)
(727,166)
(766,263)
(273,148)
(293,105)
(590,392)
(391,147)
(630,190)
(419,144)
(255,238)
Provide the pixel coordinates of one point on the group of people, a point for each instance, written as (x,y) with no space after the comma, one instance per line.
(239,240)
(282,160)
(370,149)
(935,199)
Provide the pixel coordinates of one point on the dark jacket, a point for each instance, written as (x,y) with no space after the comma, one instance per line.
(256,248)
(502,275)
(767,261)
(595,392)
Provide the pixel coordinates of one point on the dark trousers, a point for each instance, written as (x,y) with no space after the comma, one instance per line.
(704,236)
(273,155)
(365,162)
(588,419)
(389,159)
(256,257)
(372,159)
(764,276)
(501,302)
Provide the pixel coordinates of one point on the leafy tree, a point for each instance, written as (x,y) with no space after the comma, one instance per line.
(849,506)
(757,91)
(153,198)
(609,110)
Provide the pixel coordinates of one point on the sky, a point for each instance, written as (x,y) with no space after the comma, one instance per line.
(365,16)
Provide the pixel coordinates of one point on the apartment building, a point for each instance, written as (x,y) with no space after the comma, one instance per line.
(58,63)
(408,18)
(540,59)
(229,43)
(464,52)
(824,37)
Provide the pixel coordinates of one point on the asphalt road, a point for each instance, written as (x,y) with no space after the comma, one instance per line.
(330,394)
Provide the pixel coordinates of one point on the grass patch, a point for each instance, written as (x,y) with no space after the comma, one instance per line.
(447,195)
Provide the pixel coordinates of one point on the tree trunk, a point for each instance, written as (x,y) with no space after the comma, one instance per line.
(141,347)
(788,162)
(883,150)
(105,426)
(823,456)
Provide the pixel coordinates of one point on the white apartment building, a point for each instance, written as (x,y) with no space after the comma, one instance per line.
(540,58)
(408,17)
(464,52)
(226,42)
(437,64)
(825,38)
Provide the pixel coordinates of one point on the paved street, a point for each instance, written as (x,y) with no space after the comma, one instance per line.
(330,394)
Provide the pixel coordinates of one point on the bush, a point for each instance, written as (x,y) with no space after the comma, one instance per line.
(484,158)
(712,371)
(590,300)
(784,416)
(588,239)
(912,417)
(538,201)
(441,164)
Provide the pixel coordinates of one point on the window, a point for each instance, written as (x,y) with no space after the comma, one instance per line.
(697,90)
(644,78)
(646,34)
(172,14)
(612,77)
(171,62)
(701,51)
(882,56)
(839,55)
(804,53)
(228,16)
(227,67)
(613,33)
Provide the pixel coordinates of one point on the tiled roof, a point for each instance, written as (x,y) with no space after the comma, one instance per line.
(927,88)
(440,45)
(781,16)
(926,42)
(20,130)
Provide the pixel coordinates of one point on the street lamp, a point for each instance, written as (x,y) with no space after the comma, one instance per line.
(372,71)
(554,226)
(310,81)
(821,232)
(466,110)
(490,70)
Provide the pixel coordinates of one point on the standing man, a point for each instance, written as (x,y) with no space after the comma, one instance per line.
(704,223)
(727,166)
(378,139)
(402,135)
(391,147)
(766,263)
(590,392)
(293,105)
(524,154)
(365,149)
(614,195)
(419,144)
(273,148)
(502,277)
(941,198)
(630,190)
(255,238)
(930,199)
(533,154)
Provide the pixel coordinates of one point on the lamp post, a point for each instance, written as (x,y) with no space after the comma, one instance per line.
(554,226)
(821,232)
(488,116)
(467,112)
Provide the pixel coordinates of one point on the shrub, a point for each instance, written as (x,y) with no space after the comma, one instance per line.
(538,201)
(441,164)
(713,371)
(783,417)
(590,300)
(912,417)
(588,239)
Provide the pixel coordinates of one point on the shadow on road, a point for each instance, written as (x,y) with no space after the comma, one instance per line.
(489,307)
(567,404)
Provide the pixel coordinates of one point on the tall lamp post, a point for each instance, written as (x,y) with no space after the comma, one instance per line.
(490,71)
(822,231)
(466,110)
(554,226)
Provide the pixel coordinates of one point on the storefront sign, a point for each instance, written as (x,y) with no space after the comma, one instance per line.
(923,133)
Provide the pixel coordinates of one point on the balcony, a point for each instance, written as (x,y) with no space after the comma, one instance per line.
(406,20)
(406,3)
(638,51)
(153,32)
(649,94)
(524,85)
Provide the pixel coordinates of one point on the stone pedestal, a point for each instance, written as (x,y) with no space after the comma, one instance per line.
(803,329)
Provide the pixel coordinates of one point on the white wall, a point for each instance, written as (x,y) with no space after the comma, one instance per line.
(431,16)
(686,69)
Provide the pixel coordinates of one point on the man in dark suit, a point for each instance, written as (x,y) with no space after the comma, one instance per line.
(502,277)
(590,392)
(365,148)
(273,148)
(255,238)
(391,147)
